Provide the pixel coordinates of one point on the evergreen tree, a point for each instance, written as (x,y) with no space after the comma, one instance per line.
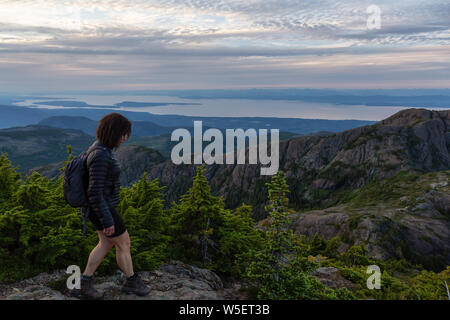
(317,244)
(280,269)
(38,231)
(142,207)
(195,220)
(206,233)
(237,236)
(9,178)
(33,193)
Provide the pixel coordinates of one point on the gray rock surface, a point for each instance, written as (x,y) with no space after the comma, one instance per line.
(172,281)
(332,278)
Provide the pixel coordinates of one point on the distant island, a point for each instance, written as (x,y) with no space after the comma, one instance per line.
(126,104)
(417,98)
(71,104)
(153,104)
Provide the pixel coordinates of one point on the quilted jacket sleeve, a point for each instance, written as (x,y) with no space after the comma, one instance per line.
(98,162)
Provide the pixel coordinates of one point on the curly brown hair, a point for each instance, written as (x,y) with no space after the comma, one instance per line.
(111,128)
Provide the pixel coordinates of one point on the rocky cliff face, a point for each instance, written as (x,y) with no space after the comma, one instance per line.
(319,168)
(135,160)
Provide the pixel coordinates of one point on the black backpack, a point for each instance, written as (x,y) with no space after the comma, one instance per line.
(76,182)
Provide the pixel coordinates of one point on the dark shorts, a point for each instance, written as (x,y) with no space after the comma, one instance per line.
(119,225)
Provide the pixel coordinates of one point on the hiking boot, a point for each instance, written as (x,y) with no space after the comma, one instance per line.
(88,291)
(135,285)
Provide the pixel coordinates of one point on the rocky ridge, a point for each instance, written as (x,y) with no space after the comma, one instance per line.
(318,167)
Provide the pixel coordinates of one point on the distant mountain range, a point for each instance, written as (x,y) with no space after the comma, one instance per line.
(89,126)
(43,145)
(21,116)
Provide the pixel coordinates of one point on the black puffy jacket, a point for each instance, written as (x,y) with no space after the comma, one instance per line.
(103,191)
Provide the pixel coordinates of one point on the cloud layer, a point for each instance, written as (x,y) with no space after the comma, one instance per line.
(104,44)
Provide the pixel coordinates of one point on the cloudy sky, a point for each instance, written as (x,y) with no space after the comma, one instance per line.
(59,45)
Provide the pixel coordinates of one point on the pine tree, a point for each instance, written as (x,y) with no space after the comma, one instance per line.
(280,268)
(142,208)
(9,178)
(33,193)
(237,237)
(278,211)
(195,221)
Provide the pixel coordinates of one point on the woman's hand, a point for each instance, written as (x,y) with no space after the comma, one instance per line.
(109,231)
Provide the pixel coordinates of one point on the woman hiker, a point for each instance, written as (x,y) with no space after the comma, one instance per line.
(103,194)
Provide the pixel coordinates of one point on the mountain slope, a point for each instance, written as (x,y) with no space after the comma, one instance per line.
(21,116)
(134,161)
(36,145)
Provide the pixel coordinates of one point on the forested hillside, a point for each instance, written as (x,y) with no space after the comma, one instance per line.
(40,232)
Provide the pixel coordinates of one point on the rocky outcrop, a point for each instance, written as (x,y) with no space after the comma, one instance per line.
(135,160)
(332,278)
(36,288)
(412,224)
(172,281)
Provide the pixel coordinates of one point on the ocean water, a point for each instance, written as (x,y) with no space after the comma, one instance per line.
(237,107)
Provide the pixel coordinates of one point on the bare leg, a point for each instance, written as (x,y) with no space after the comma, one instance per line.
(123,255)
(97,254)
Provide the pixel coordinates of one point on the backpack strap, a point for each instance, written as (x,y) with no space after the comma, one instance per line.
(90,150)
(93,149)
